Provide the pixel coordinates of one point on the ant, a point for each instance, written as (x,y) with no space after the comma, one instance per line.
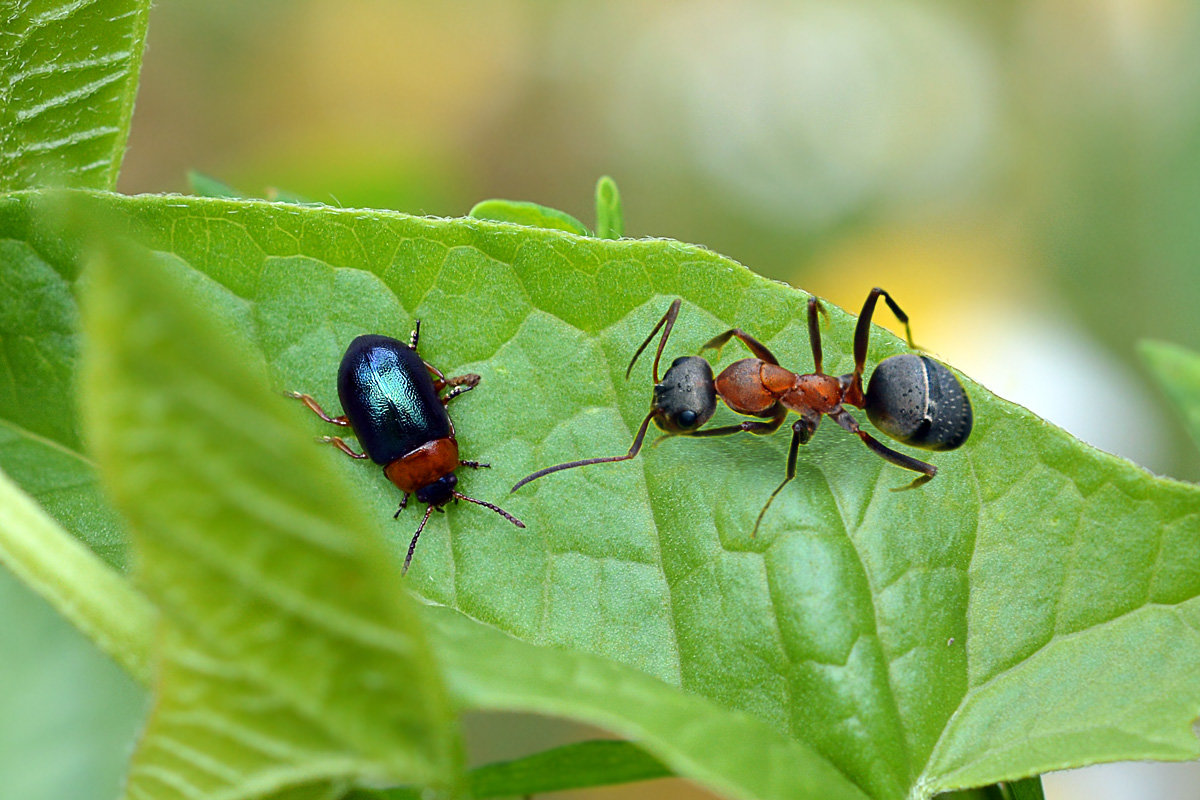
(910,397)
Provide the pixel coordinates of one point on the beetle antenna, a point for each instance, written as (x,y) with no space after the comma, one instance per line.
(413,544)
(486,504)
(633,451)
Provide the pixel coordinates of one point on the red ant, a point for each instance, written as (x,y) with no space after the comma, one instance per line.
(910,397)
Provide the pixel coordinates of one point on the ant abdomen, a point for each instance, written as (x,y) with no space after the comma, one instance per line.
(918,401)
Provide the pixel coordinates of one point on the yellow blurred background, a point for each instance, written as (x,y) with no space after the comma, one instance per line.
(1024,177)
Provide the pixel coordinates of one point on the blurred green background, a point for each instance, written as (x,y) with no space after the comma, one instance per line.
(1024,177)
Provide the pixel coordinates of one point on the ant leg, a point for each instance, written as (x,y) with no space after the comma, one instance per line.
(756,347)
(412,345)
(750,426)
(633,451)
(314,407)
(668,319)
(814,332)
(862,331)
(848,422)
(340,444)
(474,464)
(802,431)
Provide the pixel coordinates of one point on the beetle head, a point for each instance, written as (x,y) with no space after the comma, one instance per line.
(439,492)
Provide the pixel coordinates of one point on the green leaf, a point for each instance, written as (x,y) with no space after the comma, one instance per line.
(609,222)
(91,594)
(731,752)
(728,751)
(1031,608)
(1027,789)
(68,76)
(530,215)
(600,762)
(41,448)
(284,600)
(215,733)
(1177,370)
(594,763)
(207,186)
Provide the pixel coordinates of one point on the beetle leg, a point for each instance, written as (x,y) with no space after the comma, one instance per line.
(412,342)
(340,444)
(802,431)
(403,505)
(314,407)
(668,319)
(848,422)
(439,380)
(460,384)
(756,347)
(474,464)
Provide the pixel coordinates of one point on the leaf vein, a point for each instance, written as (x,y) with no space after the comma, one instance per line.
(80,93)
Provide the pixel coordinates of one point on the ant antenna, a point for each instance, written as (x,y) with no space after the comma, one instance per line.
(485,504)
(668,319)
(413,545)
(633,451)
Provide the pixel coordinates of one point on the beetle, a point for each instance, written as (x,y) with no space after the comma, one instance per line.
(912,398)
(393,404)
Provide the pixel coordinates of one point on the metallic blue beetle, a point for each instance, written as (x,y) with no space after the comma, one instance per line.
(393,403)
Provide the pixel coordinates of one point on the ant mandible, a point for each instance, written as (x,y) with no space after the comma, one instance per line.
(910,397)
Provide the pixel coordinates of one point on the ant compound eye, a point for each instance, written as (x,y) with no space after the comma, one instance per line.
(686,419)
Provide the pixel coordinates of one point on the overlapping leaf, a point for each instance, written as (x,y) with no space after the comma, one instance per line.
(1177,370)
(68,75)
(289,661)
(41,447)
(97,599)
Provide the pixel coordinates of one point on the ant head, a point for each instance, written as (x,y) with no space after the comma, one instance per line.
(918,401)
(439,492)
(686,398)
